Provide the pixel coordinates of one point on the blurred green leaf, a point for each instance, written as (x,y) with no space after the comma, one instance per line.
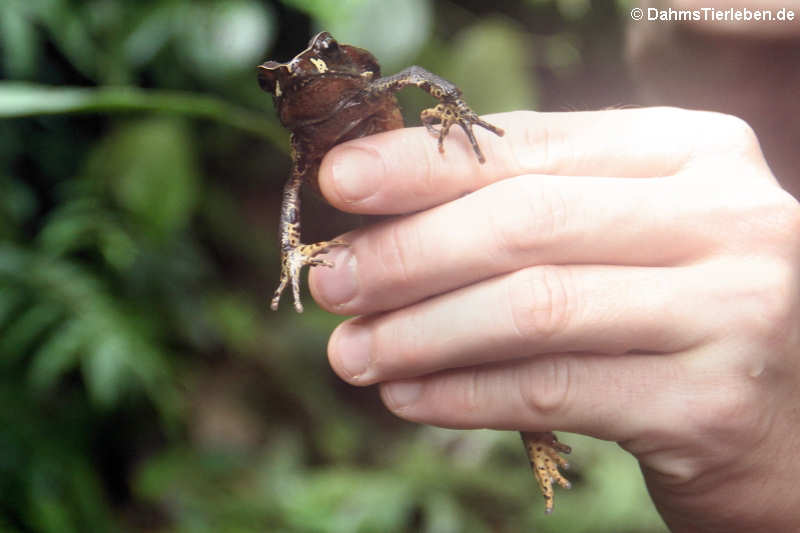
(561,52)
(19,42)
(443,514)
(12,301)
(122,355)
(574,9)
(150,33)
(58,355)
(493,49)
(83,223)
(17,205)
(68,29)
(22,99)
(393,32)
(28,326)
(220,38)
(149,166)
(65,495)
(328,10)
(238,320)
(341,501)
(106,367)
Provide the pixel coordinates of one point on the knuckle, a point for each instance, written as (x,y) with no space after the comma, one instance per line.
(737,131)
(768,283)
(756,218)
(533,217)
(770,312)
(728,411)
(538,148)
(734,134)
(764,220)
(726,404)
(464,394)
(756,301)
(396,248)
(427,170)
(544,385)
(779,219)
(541,301)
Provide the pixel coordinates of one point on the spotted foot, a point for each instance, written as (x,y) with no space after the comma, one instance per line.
(543,452)
(456,111)
(293,260)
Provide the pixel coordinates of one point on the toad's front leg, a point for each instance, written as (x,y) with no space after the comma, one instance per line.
(294,254)
(452,109)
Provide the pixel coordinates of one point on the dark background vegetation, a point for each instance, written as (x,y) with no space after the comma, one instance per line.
(144,384)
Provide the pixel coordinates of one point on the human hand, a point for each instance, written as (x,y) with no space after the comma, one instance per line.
(629,274)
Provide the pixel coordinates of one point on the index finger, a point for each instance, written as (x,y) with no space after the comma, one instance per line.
(401,171)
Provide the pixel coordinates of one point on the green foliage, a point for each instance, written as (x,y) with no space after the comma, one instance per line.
(144,385)
(495,48)
(24,99)
(47,481)
(393,31)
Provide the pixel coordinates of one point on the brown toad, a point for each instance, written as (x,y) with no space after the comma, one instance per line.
(331,93)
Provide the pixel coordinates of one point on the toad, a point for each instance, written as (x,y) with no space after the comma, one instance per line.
(331,93)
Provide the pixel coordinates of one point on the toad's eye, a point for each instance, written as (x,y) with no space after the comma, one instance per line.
(329,45)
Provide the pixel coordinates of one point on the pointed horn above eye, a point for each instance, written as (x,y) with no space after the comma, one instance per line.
(318,37)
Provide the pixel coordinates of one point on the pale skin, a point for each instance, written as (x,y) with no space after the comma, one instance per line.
(630,275)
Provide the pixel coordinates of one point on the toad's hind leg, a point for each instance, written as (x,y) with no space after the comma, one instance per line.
(544,454)
(294,254)
(293,260)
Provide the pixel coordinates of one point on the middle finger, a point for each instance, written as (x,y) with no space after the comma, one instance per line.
(513,224)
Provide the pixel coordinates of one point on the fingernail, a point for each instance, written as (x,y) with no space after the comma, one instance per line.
(402,393)
(357,173)
(353,347)
(338,285)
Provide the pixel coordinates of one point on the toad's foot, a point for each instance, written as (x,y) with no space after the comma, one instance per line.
(543,451)
(456,111)
(293,260)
